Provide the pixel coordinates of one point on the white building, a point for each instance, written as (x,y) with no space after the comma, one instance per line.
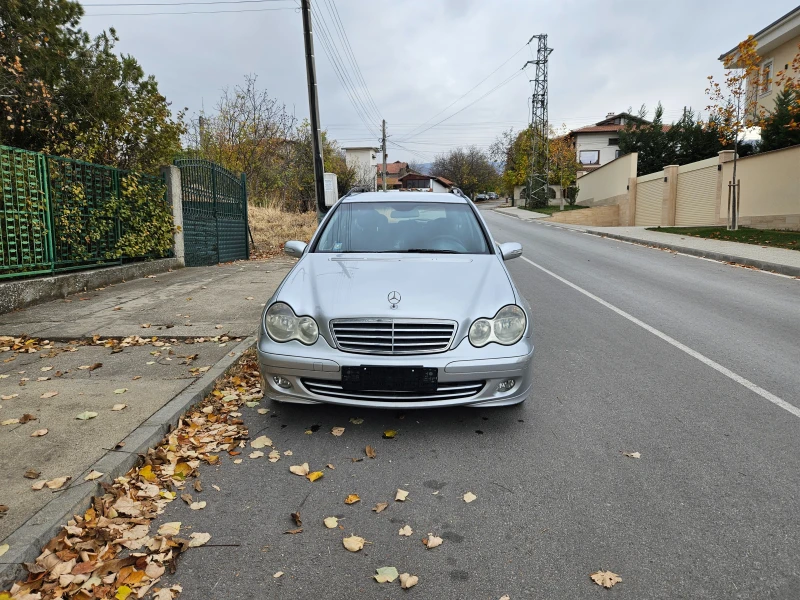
(364,160)
(598,144)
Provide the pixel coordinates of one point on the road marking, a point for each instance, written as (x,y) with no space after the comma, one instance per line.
(693,353)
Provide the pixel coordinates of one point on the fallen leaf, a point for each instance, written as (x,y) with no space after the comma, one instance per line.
(356,421)
(380,507)
(39,433)
(370,451)
(95,366)
(605,578)
(331,522)
(146,472)
(296,518)
(385,574)
(238,461)
(432,541)
(301,470)
(294,531)
(46,369)
(120,390)
(93,475)
(261,442)
(123,592)
(118,407)
(278,574)
(352,499)
(262,411)
(9,422)
(330,466)
(3,549)
(135,377)
(57,483)
(216,487)
(249,298)
(32,474)
(145,325)
(198,505)
(401,496)
(9,397)
(337,431)
(353,543)
(274,456)
(39,485)
(406,531)
(86,415)
(171,528)
(315,475)
(252,404)
(408,581)
(389,434)
(256,454)
(632,454)
(48,395)
(469,497)
(26,418)
(198,539)
(288,453)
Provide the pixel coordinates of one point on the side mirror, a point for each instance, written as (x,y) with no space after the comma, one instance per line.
(510,250)
(296,249)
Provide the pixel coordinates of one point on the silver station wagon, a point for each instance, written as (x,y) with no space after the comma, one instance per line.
(401,300)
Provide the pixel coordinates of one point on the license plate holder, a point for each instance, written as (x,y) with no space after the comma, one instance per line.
(394,379)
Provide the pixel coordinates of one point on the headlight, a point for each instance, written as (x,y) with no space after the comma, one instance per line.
(505,328)
(283,325)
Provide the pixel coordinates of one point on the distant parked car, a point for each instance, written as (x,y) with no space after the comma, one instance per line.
(493,195)
(481,197)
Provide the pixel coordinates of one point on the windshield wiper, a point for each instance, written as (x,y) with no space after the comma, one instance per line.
(431,251)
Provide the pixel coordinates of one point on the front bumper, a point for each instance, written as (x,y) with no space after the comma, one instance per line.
(493,364)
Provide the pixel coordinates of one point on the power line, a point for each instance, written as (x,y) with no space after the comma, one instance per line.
(491,91)
(349,51)
(341,72)
(473,87)
(204,12)
(168,4)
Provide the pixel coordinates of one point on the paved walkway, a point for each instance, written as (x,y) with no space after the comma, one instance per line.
(521,213)
(197,315)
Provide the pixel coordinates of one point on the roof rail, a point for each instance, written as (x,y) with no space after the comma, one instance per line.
(359,189)
(457,191)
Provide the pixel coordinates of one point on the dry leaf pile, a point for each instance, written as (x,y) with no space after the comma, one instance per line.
(110,550)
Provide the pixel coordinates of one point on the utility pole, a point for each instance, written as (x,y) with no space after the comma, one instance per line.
(383,150)
(313,109)
(539,175)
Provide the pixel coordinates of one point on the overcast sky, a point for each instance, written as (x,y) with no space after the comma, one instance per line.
(418,56)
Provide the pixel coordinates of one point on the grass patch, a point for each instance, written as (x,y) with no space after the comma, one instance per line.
(272,228)
(551,210)
(770,238)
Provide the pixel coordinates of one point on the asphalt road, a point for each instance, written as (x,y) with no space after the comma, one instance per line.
(686,361)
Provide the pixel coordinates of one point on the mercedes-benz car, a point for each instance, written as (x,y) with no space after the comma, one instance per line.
(398,301)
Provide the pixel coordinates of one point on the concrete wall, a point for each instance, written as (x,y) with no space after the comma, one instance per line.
(598,216)
(770,190)
(608,184)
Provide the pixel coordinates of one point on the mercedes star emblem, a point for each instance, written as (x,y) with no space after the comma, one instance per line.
(394,299)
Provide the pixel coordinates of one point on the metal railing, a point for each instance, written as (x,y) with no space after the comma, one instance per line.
(55,213)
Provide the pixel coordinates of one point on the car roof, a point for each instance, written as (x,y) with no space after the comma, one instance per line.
(405,197)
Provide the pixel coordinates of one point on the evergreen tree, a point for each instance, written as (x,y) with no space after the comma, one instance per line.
(779,129)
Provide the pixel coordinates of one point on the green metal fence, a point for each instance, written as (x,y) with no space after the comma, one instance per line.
(54,215)
(214,213)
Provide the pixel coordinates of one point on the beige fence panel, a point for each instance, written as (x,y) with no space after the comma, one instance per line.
(649,196)
(697,196)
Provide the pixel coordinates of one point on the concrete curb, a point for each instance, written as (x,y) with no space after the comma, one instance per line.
(21,293)
(740,260)
(28,539)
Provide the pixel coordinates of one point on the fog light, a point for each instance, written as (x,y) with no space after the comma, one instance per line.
(506,385)
(282,382)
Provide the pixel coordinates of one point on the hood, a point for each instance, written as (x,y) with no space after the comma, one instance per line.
(459,288)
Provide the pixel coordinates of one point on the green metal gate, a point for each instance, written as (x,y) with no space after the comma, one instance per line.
(214,213)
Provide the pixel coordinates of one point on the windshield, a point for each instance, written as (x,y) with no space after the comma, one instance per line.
(424,227)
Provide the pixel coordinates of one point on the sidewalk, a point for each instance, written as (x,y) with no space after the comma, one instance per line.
(200,320)
(778,260)
(521,213)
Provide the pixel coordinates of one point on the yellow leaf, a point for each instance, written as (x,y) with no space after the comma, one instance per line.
(353,543)
(147,473)
(389,434)
(330,522)
(315,475)
(607,579)
(3,549)
(352,499)
(123,592)
(171,528)
(182,470)
(261,442)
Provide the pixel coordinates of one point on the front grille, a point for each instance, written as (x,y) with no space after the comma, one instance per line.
(393,336)
(444,391)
